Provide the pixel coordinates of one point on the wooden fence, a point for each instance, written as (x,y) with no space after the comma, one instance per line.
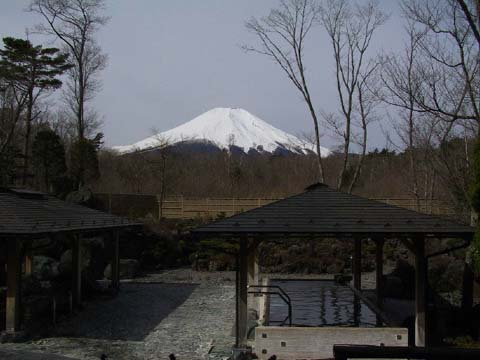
(141,206)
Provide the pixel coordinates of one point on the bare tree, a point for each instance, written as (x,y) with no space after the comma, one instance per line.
(366,103)
(162,148)
(400,86)
(282,36)
(449,65)
(74,23)
(350,29)
(78,92)
(471,10)
(435,86)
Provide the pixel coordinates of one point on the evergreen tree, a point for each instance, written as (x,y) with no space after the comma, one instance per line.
(48,154)
(84,160)
(33,70)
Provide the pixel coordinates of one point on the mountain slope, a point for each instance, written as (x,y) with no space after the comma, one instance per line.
(226,128)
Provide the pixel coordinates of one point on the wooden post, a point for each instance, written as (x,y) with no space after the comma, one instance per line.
(14,285)
(28,263)
(115,268)
(76,270)
(380,242)
(242,293)
(3,273)
(253,265)
(467,287)
(357,264)
(420,292)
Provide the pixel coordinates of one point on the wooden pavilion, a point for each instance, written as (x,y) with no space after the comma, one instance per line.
(29,215)
(324,212)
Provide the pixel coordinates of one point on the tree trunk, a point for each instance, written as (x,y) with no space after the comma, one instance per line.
(360,162)
(80,124)
(346,150)
(321,176)
(28,129)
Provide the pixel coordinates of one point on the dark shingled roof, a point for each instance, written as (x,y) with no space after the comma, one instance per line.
(322,210)
(24,212)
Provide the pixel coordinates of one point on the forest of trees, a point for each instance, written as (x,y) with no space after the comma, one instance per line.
(51,143)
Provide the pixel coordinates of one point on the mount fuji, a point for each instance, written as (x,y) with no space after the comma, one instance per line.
(226,128)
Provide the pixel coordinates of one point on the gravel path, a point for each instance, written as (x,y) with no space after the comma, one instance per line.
(182,312)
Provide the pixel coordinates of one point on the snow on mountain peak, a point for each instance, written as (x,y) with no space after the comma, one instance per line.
(226,127)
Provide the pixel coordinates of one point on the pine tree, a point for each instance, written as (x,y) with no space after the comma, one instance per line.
(33,70)
(48,154)
(84,166)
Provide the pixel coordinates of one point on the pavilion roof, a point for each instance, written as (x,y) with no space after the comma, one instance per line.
(323,210)
(24,212)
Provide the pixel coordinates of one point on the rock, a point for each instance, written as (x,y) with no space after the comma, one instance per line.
(129,268)
(83,196)
(65,265)
(45,268)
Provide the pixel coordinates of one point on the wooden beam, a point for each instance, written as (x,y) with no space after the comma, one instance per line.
(115,267)
(357,264)
(76,270)
(380,242)
(467,287)
(420,292)
(243,293)
(14,285)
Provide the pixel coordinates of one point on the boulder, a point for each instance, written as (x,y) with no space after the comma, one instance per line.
(82,196)
(45,268)
(129,268)
(65,265)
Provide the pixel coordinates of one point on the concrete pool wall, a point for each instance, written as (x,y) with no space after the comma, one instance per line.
(317,342)
(314,342)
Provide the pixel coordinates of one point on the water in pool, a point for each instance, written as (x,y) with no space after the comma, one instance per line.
(320,303)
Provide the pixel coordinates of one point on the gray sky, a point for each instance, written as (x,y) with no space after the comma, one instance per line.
(169,61)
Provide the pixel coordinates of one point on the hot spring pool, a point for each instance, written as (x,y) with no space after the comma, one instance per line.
(320,303)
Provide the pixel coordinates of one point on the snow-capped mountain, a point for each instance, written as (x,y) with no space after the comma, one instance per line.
(226,128)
